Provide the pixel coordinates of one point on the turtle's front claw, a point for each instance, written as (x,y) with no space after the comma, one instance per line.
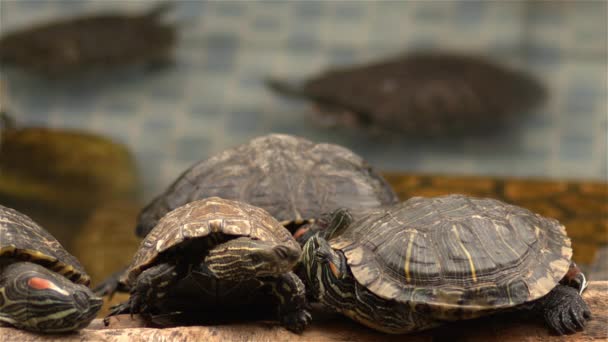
(117,310)
(136,304)
(296,321)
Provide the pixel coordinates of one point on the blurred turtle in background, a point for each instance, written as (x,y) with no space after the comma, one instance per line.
(424,94)
(67,47)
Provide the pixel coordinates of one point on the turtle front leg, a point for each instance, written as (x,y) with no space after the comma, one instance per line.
(111,285)
(290,294)
(563,310)
(152,284)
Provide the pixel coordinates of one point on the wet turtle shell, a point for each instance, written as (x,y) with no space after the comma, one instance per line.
(214,218)
(70,46)
(460,257)
(22,238)
(424,94)
(293,178)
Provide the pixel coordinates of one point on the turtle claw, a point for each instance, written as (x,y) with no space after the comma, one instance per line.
(296,321)
(117,310)
(565,311)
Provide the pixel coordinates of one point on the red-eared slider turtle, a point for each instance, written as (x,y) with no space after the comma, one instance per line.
(423,94)
(212,254)
(426,261)
(71,46)
(42,287)
(294,179)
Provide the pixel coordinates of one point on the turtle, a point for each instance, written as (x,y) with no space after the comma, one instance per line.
(68,47)
(293,178)
(427,261)
(43,288)
(210,254)
(421,94)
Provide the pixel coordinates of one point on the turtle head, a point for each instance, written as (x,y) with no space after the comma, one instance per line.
(320,264)
(37,299)
(245,258)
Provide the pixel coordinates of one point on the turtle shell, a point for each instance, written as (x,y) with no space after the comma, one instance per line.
(65,47)
(456,252)
(199,219)
(22,238)
(422,94)
(293,178)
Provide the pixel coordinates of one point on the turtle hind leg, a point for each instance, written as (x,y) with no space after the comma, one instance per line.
(564,310)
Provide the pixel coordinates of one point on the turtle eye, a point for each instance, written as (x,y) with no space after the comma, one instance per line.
(321,257)
(281,252)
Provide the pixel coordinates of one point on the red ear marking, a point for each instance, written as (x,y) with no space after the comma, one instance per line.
(334,270)
(39,283)
(300,232)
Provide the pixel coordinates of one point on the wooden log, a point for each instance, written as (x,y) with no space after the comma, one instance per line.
(331,329)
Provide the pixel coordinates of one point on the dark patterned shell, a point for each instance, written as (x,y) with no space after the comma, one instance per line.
(292,178)
(425,94)
(198,219)
(456,252)
(73,45)
(22,238)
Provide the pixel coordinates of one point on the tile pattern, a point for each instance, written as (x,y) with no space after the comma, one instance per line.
(214,98)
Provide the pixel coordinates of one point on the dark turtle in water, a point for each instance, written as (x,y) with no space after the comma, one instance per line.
(427,261)
(424,94)
(42,287)
(67,47)
(213,256)
(294,179)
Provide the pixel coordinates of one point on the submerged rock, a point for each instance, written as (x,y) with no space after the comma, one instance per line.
(58,177)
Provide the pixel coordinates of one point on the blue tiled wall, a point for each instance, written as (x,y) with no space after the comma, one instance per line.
(214,98)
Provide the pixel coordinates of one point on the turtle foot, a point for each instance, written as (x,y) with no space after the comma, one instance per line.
(296,321)
(565,311)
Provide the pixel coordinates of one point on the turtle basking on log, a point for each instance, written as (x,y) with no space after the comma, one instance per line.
(43,288)
(72,46)
(422,94)
(427,261)
(212,257)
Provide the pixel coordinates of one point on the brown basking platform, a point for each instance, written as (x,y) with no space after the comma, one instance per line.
(66,47)
(423,94)
(332,329)
(582,206)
